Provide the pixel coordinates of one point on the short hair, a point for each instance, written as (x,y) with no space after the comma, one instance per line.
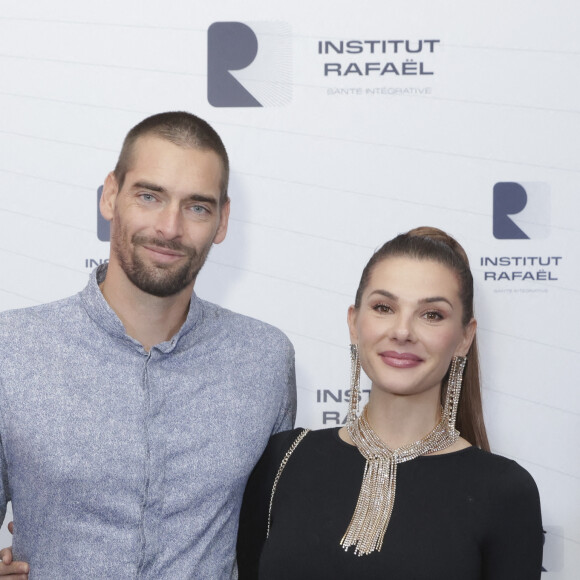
(183,129)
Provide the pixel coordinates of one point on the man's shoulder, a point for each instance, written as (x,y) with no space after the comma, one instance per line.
(41,315)
(242,325)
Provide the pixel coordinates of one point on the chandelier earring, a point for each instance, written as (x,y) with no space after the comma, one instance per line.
(354,384)
(453,390)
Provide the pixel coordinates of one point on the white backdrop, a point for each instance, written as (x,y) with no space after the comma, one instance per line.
(327,170)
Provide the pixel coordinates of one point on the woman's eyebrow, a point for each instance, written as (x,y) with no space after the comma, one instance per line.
(429,300)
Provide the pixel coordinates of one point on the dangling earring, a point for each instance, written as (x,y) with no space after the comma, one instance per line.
(354,384)
(454,390)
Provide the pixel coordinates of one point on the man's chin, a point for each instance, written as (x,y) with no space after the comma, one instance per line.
(161,291)
(161,283)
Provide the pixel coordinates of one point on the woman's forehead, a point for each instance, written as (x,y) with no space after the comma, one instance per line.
(412,275)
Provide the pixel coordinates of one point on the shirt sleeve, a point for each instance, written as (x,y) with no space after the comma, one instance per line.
(4,489)
(287,413)
(513,550)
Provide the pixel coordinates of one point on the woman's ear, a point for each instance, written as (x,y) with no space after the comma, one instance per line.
(468,336)
(351,319)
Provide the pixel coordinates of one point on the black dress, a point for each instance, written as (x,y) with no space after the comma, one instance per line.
(465,515)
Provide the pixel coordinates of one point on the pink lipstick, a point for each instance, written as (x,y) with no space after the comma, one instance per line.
(400,360)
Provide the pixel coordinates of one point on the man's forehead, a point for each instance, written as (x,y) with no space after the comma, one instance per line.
(155,141)
(184,176)
(157,146)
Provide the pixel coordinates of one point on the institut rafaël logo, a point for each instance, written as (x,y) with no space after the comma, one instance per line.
(520,210)
(103,233)
(249,64)
(103,226)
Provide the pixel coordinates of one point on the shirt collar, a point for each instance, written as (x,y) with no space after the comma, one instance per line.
(102,314)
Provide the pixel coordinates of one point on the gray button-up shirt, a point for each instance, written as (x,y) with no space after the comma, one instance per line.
(122,463)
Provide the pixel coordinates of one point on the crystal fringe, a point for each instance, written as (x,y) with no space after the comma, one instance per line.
(376,499)
(354,384)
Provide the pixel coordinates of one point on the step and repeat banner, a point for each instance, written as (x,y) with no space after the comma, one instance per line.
(346,123)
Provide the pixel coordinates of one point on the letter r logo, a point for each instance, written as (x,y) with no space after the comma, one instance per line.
(248,65)
(103,226)
(230,46)
(520,210)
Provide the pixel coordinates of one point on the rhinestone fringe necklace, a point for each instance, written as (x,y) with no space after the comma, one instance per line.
(377,494)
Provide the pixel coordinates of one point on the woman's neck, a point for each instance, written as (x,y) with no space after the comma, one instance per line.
(401,420)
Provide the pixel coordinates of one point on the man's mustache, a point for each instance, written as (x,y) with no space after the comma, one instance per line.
(141,240)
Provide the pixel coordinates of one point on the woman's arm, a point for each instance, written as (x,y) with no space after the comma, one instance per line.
(513,550)
(255,506)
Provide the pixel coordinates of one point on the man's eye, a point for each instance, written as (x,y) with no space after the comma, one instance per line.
(147,197)
(199,209)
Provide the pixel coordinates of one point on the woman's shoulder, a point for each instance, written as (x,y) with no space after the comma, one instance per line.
(504,479)
(282,442)
(495,464)
(307,446)
(512,507)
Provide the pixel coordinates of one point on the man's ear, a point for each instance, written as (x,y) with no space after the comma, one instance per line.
(109,197)
(222,230)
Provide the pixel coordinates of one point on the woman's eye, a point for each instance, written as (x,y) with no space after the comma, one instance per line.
(433,316)
(382,308)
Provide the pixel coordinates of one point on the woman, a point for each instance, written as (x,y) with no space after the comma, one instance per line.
(398,493)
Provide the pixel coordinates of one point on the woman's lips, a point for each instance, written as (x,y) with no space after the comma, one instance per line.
(400,360)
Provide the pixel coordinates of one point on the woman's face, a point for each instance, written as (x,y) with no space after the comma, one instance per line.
(409,325)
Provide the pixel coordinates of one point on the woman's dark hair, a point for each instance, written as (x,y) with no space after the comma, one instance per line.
(427,243)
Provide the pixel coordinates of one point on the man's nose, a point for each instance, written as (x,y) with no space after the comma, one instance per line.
(169,222)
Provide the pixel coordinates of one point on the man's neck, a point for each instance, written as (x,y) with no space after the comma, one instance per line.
(148,319)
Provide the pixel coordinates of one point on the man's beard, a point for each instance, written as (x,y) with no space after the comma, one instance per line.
(161,279)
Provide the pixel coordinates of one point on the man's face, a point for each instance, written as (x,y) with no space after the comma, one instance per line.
(167,215)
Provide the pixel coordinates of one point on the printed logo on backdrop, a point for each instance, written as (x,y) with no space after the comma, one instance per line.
(393,67)
(103,233)
(554,550)
(521,211)
(103,226)
(249,64)
(333,404)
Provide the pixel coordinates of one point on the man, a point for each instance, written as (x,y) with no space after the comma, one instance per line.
(133,413)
